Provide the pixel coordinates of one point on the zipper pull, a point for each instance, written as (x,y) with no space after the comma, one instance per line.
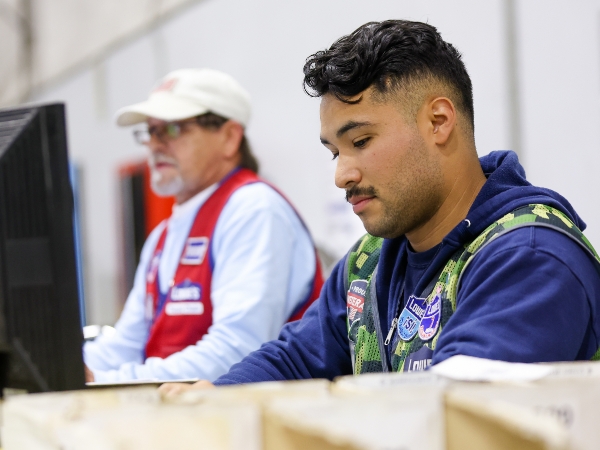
(391,332)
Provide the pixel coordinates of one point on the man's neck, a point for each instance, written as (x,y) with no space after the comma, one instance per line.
(195,201)
(217,177)
(464,188)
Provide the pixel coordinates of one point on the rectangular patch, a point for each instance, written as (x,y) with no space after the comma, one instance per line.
(184,309)
(355,299)
(195,251)
(186,291)
(419,360)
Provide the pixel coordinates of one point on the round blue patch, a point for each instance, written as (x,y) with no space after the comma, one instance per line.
(409,320)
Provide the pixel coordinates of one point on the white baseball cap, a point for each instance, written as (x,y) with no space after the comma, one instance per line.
(187,93)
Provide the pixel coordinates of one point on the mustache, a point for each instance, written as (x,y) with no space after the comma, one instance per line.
(158,158)
(367,191)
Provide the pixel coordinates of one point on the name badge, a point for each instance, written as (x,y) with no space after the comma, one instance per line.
(195,251)
(184,309)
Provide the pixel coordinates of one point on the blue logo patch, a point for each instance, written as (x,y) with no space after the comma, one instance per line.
(186,291)
(419,360)
(431,319)
(410,319)
(195,250)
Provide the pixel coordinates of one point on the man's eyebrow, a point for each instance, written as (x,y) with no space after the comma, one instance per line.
(349,126)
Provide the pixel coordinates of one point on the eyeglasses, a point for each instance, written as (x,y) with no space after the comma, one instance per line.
(163,133)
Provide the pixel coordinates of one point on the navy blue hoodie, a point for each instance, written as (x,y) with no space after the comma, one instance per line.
(531,295)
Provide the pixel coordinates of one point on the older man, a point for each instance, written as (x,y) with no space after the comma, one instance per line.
(234,261)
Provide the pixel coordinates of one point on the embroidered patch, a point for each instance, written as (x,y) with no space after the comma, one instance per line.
(355,300)
(184,309)
(153,268)
(419,360)
(431,319)
(186,291)
(410,319)
(195,250)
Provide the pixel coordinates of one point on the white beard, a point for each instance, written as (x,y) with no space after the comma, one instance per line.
(165,189)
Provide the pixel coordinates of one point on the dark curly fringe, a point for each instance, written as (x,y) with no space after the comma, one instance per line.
(381,52)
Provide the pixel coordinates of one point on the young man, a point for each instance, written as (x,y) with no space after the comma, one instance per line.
(464,256)
(234,261)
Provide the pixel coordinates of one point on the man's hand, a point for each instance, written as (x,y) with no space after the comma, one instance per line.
(170,390)
(89,376)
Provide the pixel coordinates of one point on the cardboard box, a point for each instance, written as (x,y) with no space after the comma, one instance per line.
(408,419)
(574,403)
(30,421)
(126,418)
(528,407)
(473,424)
(491,421)
(259,393)
(181,427)
(568,392)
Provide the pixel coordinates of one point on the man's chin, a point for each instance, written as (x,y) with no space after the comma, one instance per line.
(379,229)
(371,228)
(170,189)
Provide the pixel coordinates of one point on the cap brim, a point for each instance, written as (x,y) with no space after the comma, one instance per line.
(165,107)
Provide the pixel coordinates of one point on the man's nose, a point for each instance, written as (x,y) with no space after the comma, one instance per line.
(347,173)
(156,145)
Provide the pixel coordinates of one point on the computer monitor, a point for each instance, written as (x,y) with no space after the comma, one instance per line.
(40,327)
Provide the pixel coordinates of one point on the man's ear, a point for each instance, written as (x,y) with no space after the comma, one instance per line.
(233,133)
(440,118)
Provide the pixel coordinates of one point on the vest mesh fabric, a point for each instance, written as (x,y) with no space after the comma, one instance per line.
(361,263)
(362,333)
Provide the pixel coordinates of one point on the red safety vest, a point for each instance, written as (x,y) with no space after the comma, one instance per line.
(183,316)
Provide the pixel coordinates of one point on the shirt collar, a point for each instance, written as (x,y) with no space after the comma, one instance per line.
(194,203)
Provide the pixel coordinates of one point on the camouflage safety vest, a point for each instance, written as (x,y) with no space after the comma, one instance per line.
(418,328)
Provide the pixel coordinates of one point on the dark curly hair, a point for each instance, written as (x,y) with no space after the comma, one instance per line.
(394,55)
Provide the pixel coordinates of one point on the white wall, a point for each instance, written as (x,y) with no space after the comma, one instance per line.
(560,85)
(264,43)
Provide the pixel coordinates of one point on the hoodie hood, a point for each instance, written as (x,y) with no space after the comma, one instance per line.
(506,189)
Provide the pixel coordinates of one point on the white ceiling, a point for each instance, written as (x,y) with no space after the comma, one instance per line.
(66,36)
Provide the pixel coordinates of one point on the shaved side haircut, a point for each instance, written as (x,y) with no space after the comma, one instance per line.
(409,60)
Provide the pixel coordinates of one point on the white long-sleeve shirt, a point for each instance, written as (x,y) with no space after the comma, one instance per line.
(264,263)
